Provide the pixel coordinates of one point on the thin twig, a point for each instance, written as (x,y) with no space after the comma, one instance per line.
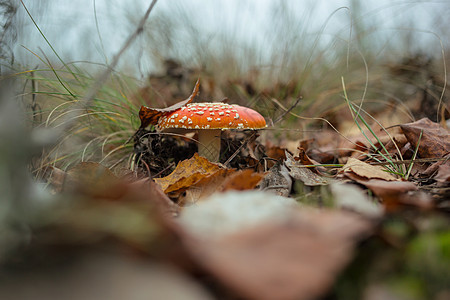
(288,110)
(162,171)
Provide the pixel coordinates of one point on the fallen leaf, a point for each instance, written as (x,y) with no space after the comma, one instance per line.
(385,189)
(398,141)
(303,158)
(222,180)
(205,187)
(242,180)
(435,140)
(392,193)
(150,116)
(275,152)
(365,170)
(293,259)
(303,174)
(277,180)
(187,173)
(443,173)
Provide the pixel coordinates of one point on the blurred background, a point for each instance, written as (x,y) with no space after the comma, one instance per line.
(283,49)
(259,33)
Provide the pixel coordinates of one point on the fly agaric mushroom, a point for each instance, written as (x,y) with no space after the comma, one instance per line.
(209,119)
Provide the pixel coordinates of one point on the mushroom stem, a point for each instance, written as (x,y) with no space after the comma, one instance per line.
(209,144)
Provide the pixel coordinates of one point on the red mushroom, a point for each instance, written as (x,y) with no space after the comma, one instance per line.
(210,119)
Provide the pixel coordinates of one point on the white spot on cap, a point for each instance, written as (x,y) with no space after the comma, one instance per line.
(196,127)
(207,127)
(175,116)
(200,112)
(211,114)
(236,116)
(209,119)
(218,119)
(189,121)
(221,113)
(172,121)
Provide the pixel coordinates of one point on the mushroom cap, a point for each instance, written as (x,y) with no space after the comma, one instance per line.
(212,116)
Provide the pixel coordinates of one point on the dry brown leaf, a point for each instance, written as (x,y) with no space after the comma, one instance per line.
(187,173)
(296,259)
(277,180)
(365,170)
(205,187)
(150,116)
(303,158)
(305,175)
(242,180)
(383,188)
(398,141)
(222,180)
(435,140)
(275,152)
(392,193)
(443,173)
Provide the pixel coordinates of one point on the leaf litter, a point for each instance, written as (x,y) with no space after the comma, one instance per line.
(239,229)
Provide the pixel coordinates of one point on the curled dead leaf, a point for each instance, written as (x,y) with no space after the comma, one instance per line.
(150,116)
(435,141)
